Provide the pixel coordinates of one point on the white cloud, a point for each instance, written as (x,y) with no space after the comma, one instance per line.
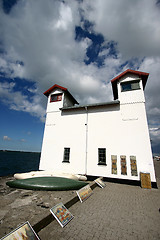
(6,138)
(155,135)
(32,90)
(41,34)
(11,68)
(65,17)
(17,101)
(151,65)
(134,25)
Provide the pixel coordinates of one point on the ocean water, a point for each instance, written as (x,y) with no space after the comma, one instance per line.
(17,162)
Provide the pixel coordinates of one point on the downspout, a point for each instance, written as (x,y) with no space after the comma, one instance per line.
(86,124)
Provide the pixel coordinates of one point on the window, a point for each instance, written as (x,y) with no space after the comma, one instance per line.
(66,155)
(129,86)
(101,156)
(56,97)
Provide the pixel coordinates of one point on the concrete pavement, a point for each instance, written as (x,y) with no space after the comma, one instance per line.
(115,212)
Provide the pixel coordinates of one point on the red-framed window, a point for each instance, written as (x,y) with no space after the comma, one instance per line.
(56,97)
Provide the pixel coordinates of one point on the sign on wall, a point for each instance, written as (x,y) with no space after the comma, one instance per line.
(133,166)
(123,165)
(114,164)
(145,180)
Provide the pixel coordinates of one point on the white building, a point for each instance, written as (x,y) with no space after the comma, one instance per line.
(109,139)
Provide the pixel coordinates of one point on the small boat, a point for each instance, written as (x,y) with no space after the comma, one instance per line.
(47,184)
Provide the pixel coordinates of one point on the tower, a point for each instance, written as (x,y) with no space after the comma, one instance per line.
(58,97)
(128,88)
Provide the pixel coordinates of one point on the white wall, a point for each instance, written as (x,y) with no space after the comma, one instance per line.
(64,131)
(119,137)
(106,129)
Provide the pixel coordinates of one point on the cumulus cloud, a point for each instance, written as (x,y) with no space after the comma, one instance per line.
(39,44)
(47,47)
(134,25)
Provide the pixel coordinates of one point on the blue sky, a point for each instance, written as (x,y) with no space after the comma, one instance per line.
(80,45)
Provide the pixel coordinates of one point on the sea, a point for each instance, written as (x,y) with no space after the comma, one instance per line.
(12,162)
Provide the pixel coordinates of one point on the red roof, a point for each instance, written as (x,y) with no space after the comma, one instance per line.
(50,90)
(142,75)
(46,93)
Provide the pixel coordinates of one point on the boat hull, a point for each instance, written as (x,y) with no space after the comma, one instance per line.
(47,184)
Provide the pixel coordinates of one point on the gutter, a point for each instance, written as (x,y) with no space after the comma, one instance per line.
(116,102)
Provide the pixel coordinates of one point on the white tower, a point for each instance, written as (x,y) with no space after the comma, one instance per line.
(58,97)
(128,88)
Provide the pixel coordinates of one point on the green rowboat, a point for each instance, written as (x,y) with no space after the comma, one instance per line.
(47,184)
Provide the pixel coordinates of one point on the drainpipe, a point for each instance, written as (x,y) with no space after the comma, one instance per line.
(86,124)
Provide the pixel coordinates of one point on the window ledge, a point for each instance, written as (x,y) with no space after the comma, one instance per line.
(102,164)
(65,162)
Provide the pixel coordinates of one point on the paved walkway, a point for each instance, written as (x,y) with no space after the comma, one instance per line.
(115,212)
